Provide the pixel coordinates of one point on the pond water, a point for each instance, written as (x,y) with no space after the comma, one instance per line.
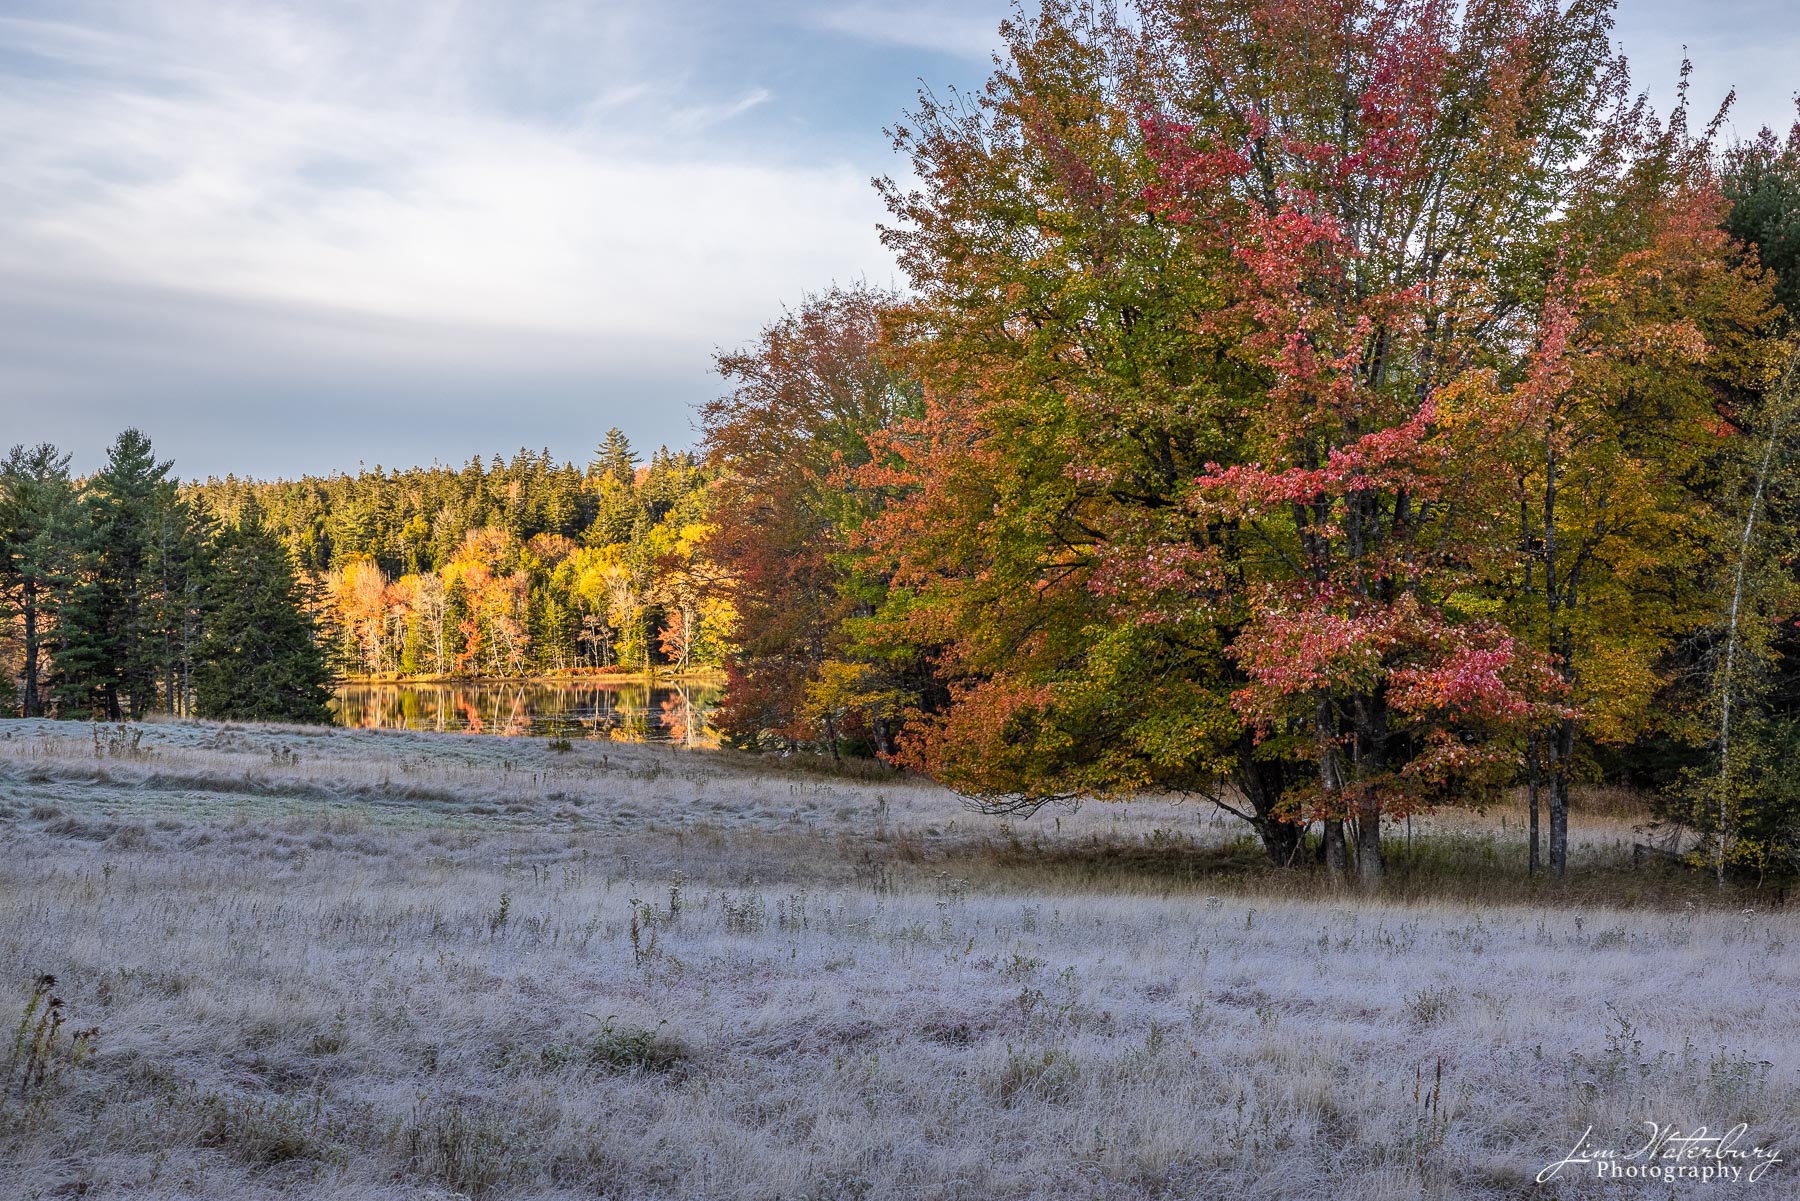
(626,710)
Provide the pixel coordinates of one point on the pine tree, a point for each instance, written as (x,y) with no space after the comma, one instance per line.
(36,500)
(257,659)
(615,457)
(108,658)
(665,483)
(617,513)
(177,574)
(457,626)
(1761,178)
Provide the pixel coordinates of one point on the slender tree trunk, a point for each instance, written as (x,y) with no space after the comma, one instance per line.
(1562,743)
(1728,684)
(190,631)
(1562,751)
(1532,862)
(1371,744)
(168,640)
(32,706)
(1331,783)
(1531,771)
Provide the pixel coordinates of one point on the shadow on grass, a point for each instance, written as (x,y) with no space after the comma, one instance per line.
(812,765)
(1473,868)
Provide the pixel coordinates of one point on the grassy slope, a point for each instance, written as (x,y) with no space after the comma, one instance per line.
(341,964)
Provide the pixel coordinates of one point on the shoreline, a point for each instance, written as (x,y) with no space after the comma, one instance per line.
(713,676)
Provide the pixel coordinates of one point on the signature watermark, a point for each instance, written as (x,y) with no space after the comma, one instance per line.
(1670,1153)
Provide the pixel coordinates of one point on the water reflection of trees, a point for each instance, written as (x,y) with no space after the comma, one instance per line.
(625,711)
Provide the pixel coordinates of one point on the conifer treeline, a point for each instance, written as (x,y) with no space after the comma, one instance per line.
(121,597)
(504,569)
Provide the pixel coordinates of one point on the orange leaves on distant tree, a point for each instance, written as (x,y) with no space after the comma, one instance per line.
(788,437)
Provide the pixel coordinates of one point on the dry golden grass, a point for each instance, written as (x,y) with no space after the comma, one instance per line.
(332,964)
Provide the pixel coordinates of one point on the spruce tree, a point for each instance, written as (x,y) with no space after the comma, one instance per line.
(257,659)
(617,513)
(177,570)
(109,654)
(1761,179)
(616,459)
(456,618)
(664,483)
(36,503)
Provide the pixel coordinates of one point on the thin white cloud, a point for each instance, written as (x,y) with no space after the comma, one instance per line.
(964,31)
(699,117)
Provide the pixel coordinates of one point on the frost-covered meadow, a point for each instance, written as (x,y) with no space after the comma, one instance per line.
(332,964)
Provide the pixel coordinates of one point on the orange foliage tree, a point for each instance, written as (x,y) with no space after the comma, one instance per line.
(788,437)
(1253,340)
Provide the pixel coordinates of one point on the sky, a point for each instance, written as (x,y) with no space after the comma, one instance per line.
(303,237)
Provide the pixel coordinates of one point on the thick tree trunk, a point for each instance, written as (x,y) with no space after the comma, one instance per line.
(1281,841)
(1369,867)
(1371,751)
(1262,783)
(1335,859)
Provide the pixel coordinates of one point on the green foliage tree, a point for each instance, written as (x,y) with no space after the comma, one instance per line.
(36,511)
(615,459)
(115,578)
(1738,792)
(1761,179)
(180,546)
(616,513)
(1744,798)
(257,659)
(108,656)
